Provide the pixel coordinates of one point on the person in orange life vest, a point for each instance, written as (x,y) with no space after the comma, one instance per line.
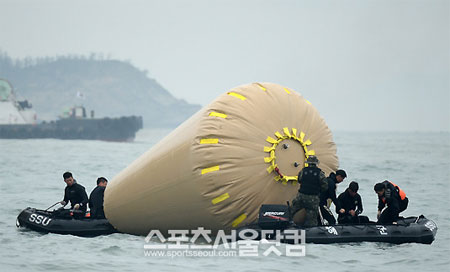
(394,198)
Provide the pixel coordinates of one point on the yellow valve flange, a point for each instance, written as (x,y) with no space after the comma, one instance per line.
(287,134)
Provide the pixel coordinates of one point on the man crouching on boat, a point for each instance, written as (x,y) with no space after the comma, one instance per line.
(76,194)
(394,198)
(312,182)
(351,202)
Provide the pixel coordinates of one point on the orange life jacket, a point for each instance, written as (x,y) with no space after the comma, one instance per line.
(400,192)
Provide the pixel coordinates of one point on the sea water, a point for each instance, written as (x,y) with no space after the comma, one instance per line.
(31,176)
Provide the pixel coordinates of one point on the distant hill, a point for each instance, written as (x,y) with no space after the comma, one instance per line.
(109,87)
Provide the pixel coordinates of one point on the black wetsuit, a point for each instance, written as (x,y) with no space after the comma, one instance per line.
(76,194)
(395,204)
(96,202)
(348,203)
(325,195)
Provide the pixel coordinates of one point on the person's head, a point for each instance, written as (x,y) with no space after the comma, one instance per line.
(353,188)
(379,189)
(68,178)
(340,175)
(312,161)
(101,181)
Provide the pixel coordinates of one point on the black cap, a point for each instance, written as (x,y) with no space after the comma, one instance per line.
(67,175)
(353,186)
(101,179)
(378,187)
(341,173)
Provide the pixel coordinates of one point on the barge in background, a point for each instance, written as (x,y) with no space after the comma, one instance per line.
(19,121)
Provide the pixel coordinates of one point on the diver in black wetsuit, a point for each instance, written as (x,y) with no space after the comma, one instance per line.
(75,193)
(332,180)
(351,202)
(96,199)
(394,198)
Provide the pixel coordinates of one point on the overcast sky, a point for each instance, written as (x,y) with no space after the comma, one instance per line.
(366,65)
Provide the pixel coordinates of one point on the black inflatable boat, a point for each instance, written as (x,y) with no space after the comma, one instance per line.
(52,221)
(274,223)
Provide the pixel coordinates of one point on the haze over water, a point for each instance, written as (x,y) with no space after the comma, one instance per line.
(30,175)
(365,65)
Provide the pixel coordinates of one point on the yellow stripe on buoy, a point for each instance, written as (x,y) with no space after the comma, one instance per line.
(294,133)
(261,87)
(287,91)
(217,114)
(210,169)
(279,136)
(286,131)
(293,178)
(302,136)
(241,97)
(220,198)
(311,152)
(239,220)
(308,142)
(268,148)
(268,159)
(209,141)
(271,168)
(271,140)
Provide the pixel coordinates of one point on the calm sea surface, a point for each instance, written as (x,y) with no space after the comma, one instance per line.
(30,175)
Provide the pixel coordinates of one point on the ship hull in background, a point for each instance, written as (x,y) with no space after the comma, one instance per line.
(106,129)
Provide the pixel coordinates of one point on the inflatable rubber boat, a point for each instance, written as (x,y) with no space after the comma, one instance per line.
(54,222)
(274,223)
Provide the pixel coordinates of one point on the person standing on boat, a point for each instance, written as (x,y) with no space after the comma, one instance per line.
(312,181)
(351,202)
(392,197)
(332,181)
(75,193)
(96,199)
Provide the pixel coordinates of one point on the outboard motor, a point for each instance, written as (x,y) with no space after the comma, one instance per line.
(274,216)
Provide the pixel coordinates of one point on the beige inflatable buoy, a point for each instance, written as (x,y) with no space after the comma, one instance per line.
(216,169)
